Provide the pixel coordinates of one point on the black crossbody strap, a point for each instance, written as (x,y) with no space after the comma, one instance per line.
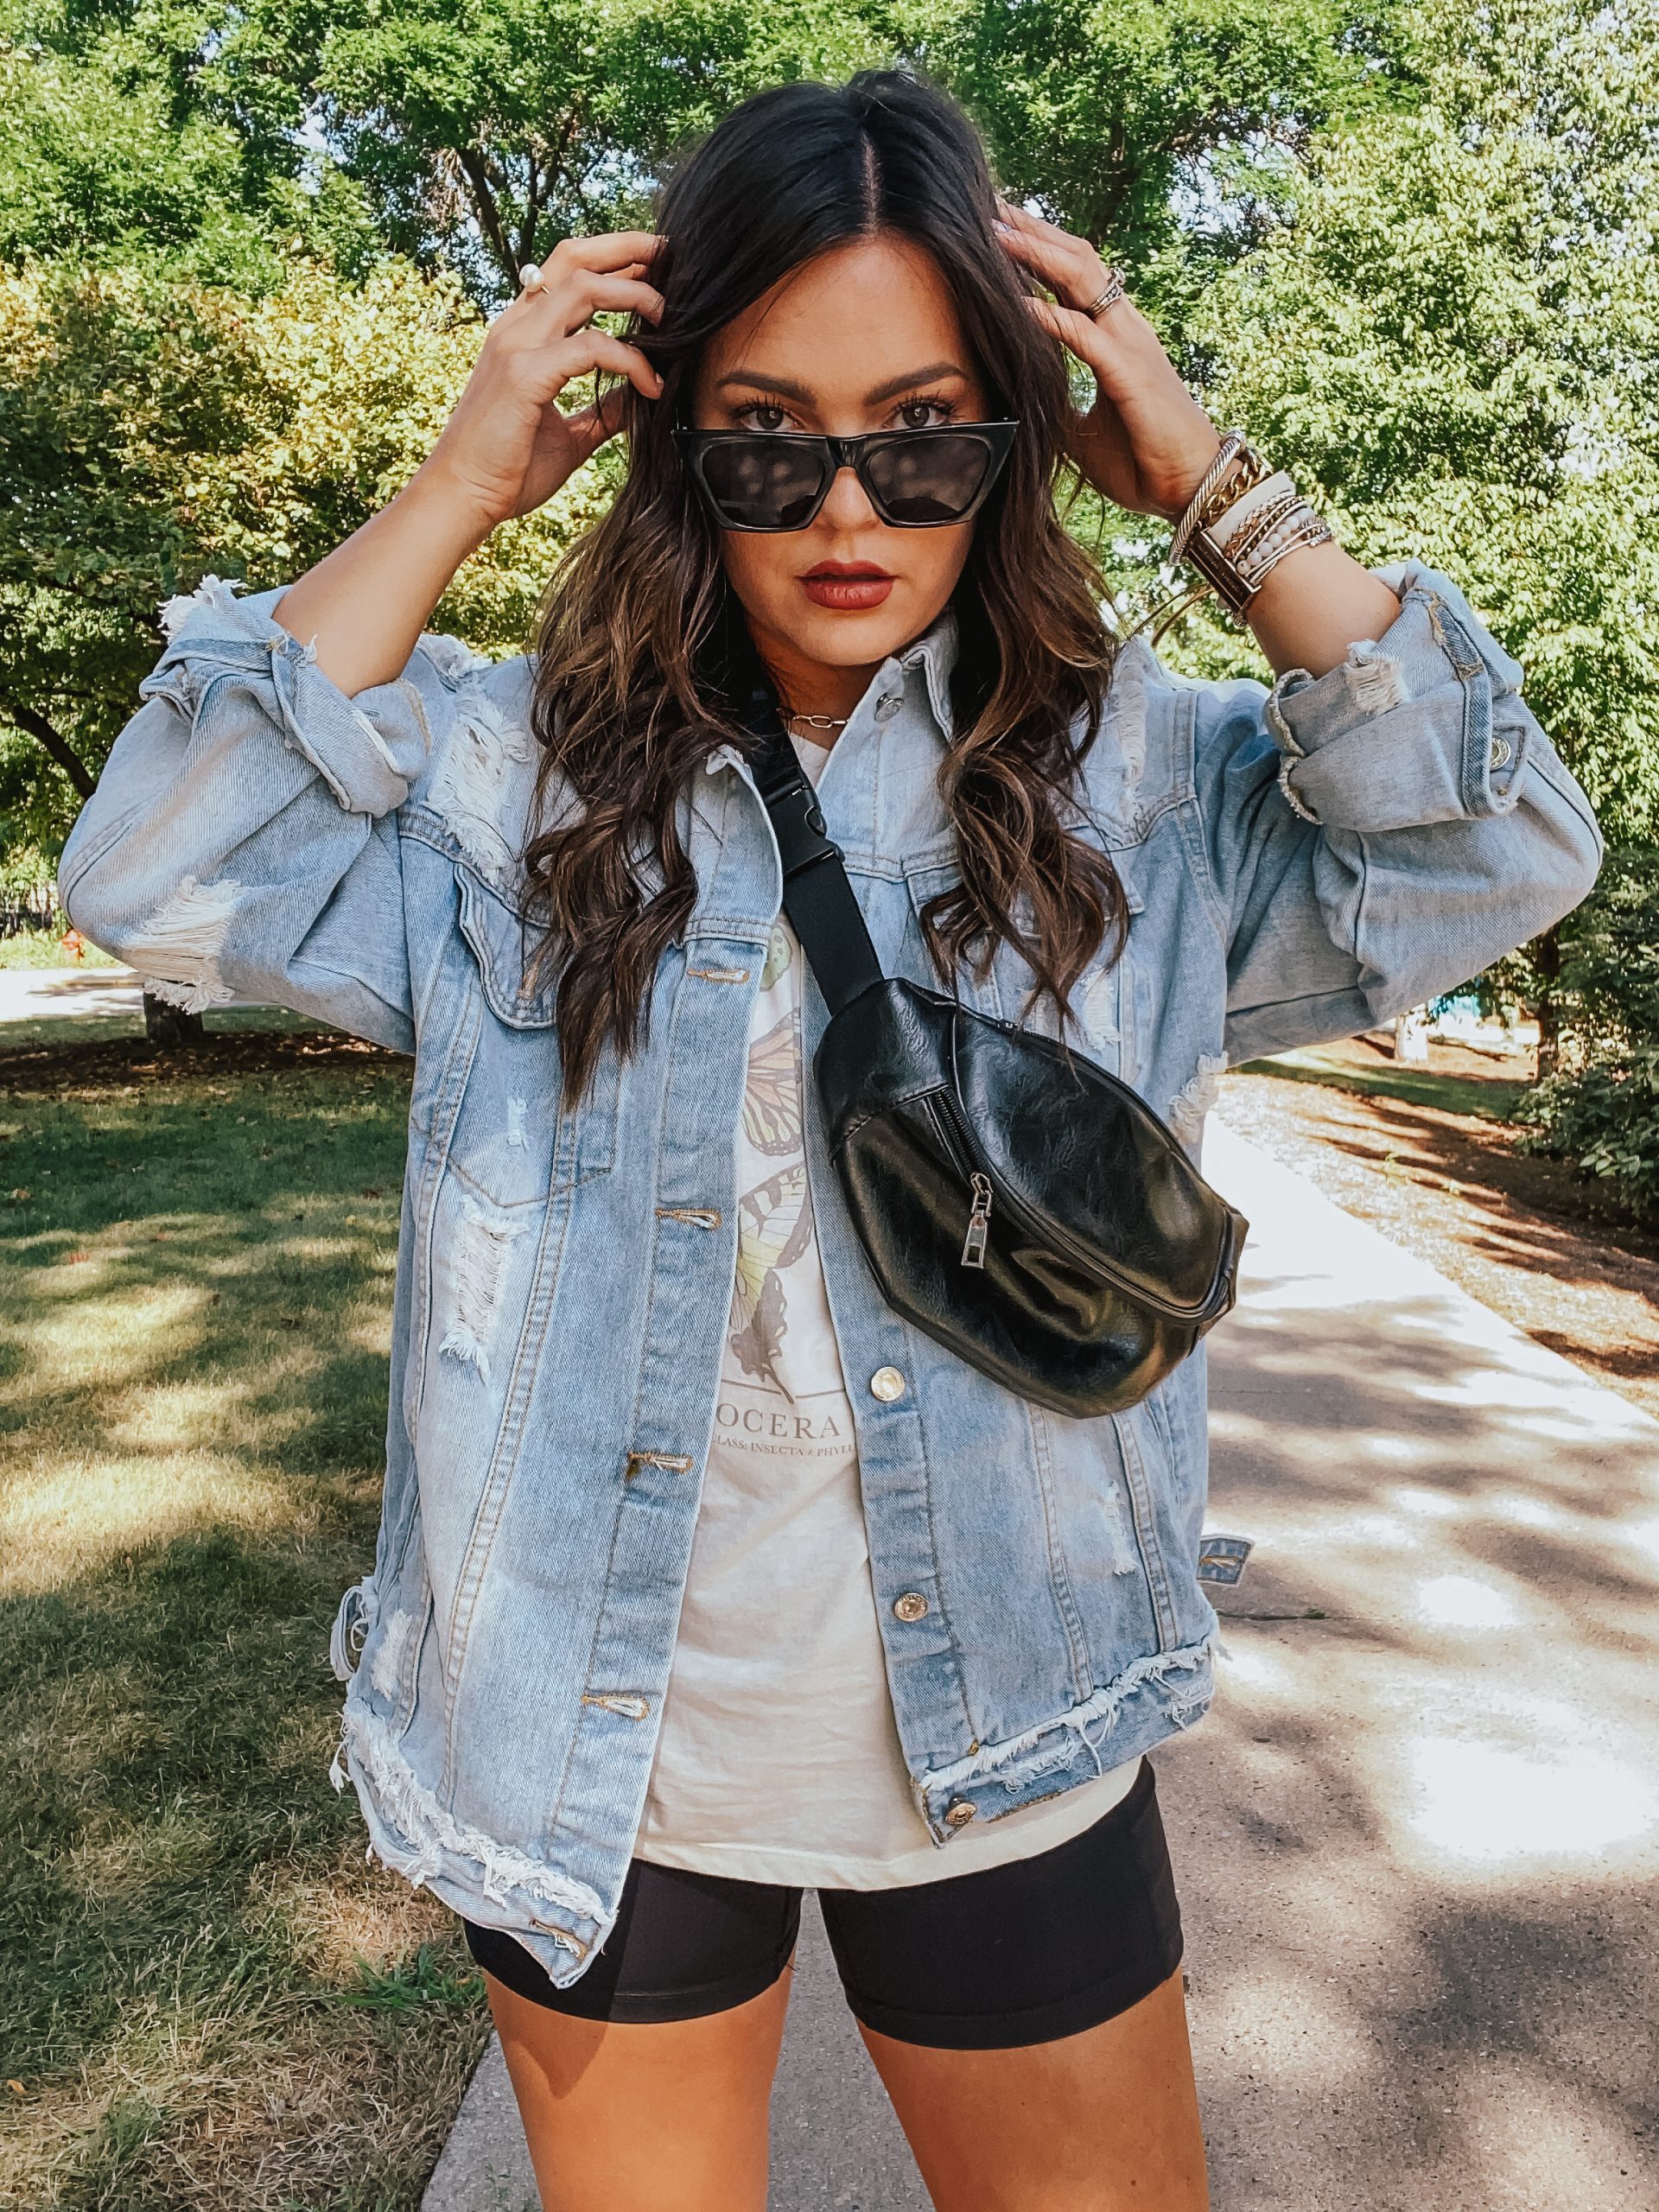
(818,898)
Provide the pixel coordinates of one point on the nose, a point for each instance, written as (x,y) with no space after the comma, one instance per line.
(847,506)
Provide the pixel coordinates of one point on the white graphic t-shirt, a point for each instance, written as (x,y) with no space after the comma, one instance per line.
(778,1758)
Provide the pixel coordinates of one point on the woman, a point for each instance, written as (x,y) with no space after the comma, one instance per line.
(703,1578)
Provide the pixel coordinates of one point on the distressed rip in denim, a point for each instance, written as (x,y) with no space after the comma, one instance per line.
(1299,861)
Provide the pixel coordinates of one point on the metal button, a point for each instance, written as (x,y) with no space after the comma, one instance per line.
(959,1812)
(888,705)
(1499,753)
(887,1384)
(911,1607)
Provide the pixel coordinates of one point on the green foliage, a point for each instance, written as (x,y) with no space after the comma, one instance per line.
(1605,1121)
(155,429)
(1455,344)
(1167,131)
(480,137)
(245,253)
(116,142)
(1601,1109)
(1610,956)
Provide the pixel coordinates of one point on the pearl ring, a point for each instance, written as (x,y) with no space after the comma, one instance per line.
(531,278)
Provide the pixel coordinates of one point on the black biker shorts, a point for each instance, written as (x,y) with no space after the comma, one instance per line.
(1025,1952)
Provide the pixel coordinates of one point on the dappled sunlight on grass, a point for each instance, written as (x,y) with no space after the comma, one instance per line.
(125,1330)
(337,1928)
(210,2000)
(74,1518)
(190,1417)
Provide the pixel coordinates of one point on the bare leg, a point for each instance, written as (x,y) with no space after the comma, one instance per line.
(670,2118)
(1103,2121)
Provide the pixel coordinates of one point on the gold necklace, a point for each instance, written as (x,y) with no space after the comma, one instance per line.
(820,722)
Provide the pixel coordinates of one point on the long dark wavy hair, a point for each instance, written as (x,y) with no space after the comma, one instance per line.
(621,702)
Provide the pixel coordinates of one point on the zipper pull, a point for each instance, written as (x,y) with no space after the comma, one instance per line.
(979,1224)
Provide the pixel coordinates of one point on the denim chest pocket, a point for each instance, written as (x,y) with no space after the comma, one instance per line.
(922,883)
(1108,1000)
(505,1134)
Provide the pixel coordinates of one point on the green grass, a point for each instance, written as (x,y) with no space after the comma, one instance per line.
(40,949)
(1490,1096)
(77,1029)
(208,1998)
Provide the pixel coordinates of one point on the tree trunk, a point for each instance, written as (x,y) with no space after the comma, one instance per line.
(36,725)
(1546,954)
(166,1024)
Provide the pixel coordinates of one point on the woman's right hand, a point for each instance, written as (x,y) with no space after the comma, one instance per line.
(509,446)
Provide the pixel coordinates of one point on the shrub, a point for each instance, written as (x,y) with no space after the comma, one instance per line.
(1600,1109)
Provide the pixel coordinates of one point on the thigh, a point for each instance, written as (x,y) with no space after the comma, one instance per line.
(1106,2121)
(666,2118)
(1029,2024)
(647,2081)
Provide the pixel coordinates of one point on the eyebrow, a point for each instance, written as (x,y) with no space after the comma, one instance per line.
(789,390)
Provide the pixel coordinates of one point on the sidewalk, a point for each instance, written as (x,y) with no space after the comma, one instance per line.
(1417,1840)
(28,994)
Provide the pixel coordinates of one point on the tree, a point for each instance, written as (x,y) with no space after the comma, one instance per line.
(1600,1109)
(481,137)
(116,143)
(1454,344)
(153,431)
(1166,131)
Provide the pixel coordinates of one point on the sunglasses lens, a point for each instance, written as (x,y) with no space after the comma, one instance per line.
(761,484)
(928,478)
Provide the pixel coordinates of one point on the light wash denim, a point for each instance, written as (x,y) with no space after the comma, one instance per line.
(1301,864)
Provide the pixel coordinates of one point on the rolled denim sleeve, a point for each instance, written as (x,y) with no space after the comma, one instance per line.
(243,839)
(1377,835)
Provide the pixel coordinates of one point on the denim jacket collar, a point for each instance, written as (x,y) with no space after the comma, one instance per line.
(933,654)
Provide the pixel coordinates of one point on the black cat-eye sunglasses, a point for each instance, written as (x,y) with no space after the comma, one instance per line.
(778,479)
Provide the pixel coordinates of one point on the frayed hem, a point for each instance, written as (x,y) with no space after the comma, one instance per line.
(429,1833)
(210,989)
(1088,1722)
(213,591)
(177,952)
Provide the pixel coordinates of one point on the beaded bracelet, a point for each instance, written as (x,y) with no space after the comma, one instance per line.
(1241,522)
(1226,527)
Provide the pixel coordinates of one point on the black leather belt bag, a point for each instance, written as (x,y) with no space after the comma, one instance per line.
(1019,1205)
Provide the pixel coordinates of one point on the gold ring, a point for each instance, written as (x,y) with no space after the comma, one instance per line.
(1114,291)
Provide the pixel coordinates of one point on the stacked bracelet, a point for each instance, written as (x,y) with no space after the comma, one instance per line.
(1241,522)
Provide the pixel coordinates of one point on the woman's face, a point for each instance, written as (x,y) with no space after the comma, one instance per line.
(864,338)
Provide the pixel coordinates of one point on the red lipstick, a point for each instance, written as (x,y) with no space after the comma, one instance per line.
(853,587)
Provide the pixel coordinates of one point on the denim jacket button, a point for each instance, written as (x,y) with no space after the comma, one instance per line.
(1499,753)
(887,1384)
(912,1607)
(888,705)
(959,1812)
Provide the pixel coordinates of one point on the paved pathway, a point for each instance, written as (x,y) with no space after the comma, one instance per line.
(1417,1840)
(28,994)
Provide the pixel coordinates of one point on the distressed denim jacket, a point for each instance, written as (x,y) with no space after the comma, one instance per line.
(1301,863)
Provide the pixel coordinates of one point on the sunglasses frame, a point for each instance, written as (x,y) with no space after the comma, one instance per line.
(846,453)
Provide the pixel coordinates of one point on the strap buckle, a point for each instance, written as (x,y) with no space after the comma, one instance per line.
(799,821)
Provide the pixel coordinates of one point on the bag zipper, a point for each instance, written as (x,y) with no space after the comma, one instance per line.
(953,1129)
(979,1224)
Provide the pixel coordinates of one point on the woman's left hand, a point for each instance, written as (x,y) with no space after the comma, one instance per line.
(1146,442)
